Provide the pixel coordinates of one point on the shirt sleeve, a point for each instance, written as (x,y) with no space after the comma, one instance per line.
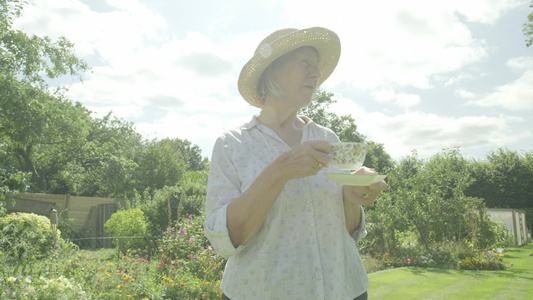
(361,231)
(223,187)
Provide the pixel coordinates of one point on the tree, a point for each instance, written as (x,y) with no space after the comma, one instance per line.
(160,163)
(11,180)
(377,159)
(343,126)
(42,130)
(192,155)
(30,115)
(528,28)
(102,164)
(503,180)
(27,58)
(428,198)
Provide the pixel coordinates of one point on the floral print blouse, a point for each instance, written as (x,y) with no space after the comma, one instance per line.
(303,249)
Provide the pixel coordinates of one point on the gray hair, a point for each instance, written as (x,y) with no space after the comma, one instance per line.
(268,86)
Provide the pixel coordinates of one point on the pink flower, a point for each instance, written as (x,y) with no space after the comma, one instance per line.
(161,264)
(190,218)
(163,256)
(192,241)
(140,259)
(183,231)
(215,268)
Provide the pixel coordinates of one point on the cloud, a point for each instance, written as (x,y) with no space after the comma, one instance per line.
(516,95)
(111,33)
(397,44)
(459,78)
(464,94)
(485,11)
(401,99)
(427,133)
(205,64)
(202,128)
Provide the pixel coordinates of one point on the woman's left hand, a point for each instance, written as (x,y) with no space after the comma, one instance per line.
(364,195)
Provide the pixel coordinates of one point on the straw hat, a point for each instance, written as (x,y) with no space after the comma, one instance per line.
(325,41)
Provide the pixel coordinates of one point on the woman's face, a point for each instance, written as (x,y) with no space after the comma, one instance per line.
(296,74)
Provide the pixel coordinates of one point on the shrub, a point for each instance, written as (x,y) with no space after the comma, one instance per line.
(187,286)
(185,248)
(28,235)
(59,288)
(169,204)
(371,264)
(442,259)
(129,228)
(130,277)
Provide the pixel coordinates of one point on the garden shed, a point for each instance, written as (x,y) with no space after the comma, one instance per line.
(515,222)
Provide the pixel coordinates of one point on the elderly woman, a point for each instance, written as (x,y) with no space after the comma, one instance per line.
(288,231)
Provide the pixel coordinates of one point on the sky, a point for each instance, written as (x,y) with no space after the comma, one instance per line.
(414,74)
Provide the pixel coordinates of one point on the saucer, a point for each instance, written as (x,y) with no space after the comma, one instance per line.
(355,179)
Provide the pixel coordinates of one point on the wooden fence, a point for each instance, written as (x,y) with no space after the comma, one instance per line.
(86,214)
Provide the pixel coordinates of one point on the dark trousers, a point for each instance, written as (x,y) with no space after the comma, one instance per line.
(361,297)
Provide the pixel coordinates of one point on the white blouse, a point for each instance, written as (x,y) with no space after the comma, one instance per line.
(303,249)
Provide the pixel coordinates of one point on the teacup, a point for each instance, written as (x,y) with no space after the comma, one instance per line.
(348,156)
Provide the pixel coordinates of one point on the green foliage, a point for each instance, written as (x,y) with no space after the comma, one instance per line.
(427,198)
(171,203)
(503,180)
(103,163)
(33,118)
(496,235)
(488,260)
(11,180)
(192,155)
(344,126)
(377,159)
(25,235)
(160,163)
(528,28)
(185,246)
(31,57)
(128,227)
(187,286)
(60,288)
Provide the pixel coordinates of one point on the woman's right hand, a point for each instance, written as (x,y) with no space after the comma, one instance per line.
(304,160)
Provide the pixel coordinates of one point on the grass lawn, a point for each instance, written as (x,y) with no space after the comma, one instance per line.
(422,283)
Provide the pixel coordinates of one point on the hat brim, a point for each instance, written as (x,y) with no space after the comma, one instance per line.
(325,41)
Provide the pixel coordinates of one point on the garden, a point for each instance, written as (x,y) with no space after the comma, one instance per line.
(182,266)
(432,220)
(179,264)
